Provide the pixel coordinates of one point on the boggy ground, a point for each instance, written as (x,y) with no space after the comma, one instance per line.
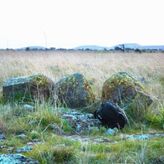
(42,133)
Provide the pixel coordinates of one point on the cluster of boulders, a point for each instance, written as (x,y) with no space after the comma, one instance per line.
(123,96)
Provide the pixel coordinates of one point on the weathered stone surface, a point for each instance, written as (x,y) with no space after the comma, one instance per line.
(81,122)
(111,115)
(28,88)
(28,107)
(2,136)
(74,91)
(127,92)
(143,136)
(158,160)
(16,159)
(111,131)
(56,129)
(24,149)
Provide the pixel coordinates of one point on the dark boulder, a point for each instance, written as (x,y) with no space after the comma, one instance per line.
(28,89)
(74,91)
(111,115)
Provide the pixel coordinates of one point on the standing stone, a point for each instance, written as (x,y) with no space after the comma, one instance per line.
(28,89)
(74,91)
(127,92)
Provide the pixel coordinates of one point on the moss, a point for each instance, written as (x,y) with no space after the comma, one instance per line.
(66,126)
(39,80)
(161,80)
(2,101)
(74,91)
(128,93)
(28,89)
(122,80)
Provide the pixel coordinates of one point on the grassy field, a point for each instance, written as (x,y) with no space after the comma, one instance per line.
(97,67)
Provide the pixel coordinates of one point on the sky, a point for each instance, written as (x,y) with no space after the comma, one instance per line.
(71,23)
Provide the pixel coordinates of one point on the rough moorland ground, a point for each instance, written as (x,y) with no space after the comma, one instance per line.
(40,130)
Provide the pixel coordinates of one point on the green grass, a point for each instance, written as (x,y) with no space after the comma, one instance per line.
(54,148)
(38,124)
(156,120)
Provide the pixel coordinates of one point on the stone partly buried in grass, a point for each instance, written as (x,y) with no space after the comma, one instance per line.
(128,93)
(74,91)
(28,89)
(16,159)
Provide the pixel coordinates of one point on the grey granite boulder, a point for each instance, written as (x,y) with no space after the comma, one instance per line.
(127,92)
(74,91)
(28,88)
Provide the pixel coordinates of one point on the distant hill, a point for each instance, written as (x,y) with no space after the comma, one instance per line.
(141,47)
(126,46)
(153,47)
(132,46)
(91,47)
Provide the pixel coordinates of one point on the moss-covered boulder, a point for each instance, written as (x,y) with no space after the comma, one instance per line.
(28,89)
(126,91)
(74,91)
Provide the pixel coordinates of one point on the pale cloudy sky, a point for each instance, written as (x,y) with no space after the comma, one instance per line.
(70,23)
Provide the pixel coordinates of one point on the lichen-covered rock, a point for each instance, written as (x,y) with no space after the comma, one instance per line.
(127,92)
(16,159)
(74,91)
(28,89)
(81,122)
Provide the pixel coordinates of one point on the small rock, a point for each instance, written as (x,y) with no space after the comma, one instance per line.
(24,149)
(16,159)
(2,146)
(28,107)
(56,129)
(10,149)
(143,136)
(111,131)
(158,160)
(2,137)
(34,142)
(22,136)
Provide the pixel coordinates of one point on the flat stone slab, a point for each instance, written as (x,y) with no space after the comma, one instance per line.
(16,159)
(93,140)
(81,122)
(24,149)
(143,136)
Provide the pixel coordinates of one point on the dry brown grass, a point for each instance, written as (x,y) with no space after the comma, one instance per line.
(96,66)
